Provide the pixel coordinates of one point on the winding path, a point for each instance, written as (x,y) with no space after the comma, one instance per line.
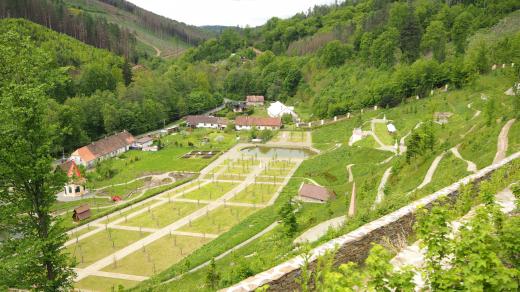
(350,175)
(381,188)
(472,167)
(431,171)
(502,143)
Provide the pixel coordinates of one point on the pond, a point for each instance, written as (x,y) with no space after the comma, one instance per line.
(277,152)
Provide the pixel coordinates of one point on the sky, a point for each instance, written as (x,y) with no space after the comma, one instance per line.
(227,12)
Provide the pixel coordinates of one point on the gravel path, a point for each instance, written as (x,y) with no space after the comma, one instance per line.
(472,167)
(431,171)
(502,143)
(350,175)
(319,230)
(381,188)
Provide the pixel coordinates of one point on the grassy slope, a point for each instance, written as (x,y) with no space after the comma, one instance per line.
(329,169)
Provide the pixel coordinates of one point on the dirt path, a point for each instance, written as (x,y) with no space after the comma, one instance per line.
(350,175)
(381,188)
(319,230)
(472,167)
(502,143)
(431,171)
(157,51)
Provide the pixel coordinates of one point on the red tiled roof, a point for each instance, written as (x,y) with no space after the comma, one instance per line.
(105,146)
(194,120)
(256,121)
(255,98)
(70,168)
(315,192)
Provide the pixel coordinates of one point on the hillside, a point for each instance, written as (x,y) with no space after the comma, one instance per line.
(118,26)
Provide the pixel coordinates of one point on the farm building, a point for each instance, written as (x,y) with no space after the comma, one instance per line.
(247,123)
(143,142)
(81,213)
(206,122)
(103,149)
(314,193)
(255,100)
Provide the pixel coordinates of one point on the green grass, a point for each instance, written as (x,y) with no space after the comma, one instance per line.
(135,164)
(382,133)
(278,172)
(514,138)
(269,179)
(95,247)
(219,220)
(256,193)
(122,190)
(233,177)
(367,142)
(162,216)
(92,202)
(95,283)
(211,191)
(157,256)
(122,214)
(280,164)
(480,146)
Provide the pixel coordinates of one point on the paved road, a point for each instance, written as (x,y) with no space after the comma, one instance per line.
(319,230)
(502,143)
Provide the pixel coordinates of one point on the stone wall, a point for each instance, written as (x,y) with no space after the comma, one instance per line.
(354,246)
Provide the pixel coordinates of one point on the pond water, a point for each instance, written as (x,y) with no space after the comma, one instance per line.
(271,152)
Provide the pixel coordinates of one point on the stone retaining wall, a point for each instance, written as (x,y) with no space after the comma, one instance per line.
(354,246)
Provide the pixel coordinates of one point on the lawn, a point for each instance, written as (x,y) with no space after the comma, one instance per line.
(131,209)
(102,244)
(278,172)
(219,220)
(269,179)
(368,142)
(92,202)
(235,177)
(382,133)
(256,193)
(95,283)
(211,191)
(162,216)
(134,164)
(280,164)
(122,190)
(157,256)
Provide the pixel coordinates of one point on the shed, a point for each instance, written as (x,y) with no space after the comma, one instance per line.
(81,213)
(442,117)
(315,193)
(391,128)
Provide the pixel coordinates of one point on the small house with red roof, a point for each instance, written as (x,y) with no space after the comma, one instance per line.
(245,123)
(105,148)
(314,193)
(255,100)
(75,186)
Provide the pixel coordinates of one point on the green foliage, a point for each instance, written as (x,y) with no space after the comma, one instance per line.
(289,218)
(212,276)
(31,254)
(434,39)
(334,54)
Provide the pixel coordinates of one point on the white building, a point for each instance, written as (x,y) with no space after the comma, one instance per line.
(206,122)
(103,149)
(278,109)
(244,123)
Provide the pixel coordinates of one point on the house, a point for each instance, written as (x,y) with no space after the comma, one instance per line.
(75,186)
(278,110)
(255,100)
(143,142)
(206,122)
(103,149)
(391,128)
(314,193)
(237,106)
(248,123)
(81,213)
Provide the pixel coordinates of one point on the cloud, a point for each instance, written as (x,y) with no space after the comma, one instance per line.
(227,12)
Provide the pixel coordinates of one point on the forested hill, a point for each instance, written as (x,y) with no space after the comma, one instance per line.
(94,92)
(116,25)
(334,59)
